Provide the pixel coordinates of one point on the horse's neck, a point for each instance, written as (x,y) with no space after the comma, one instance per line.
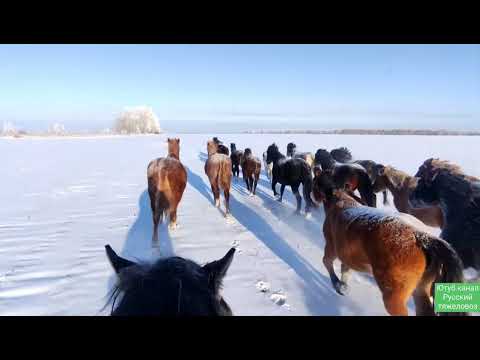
(174,154)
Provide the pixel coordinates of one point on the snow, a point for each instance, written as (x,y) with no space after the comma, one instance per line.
(65,198)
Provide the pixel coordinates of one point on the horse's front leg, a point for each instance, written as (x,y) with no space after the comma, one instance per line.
(274,184)
(346,273)
(328,259)
(298,197)
(282,189)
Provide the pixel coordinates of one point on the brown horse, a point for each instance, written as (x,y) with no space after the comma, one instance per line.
(403,259)
(401,185)
(218,168)
(221,149)
(167,179)
(251,167)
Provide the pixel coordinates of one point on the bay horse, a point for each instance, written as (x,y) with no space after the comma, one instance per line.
(218,168)
(236,157)
(222,149)
(171,286)
(292,172)
(251,167)
(268,167)
(343,155)
(167,179)
(458,195)
(403,259)
(307,156)
(401,185)
(348,176)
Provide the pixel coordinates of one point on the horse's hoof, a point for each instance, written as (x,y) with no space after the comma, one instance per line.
(341,288)
(172,226)
(308,215)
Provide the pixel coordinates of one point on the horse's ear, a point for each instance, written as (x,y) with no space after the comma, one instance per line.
(178,140)
(118,263)
(217,270)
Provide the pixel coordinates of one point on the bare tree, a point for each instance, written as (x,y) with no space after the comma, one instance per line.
(137,120)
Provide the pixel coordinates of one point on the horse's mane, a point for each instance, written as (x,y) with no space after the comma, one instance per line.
(450,167)
(341,154)
(395,176)
(325,159)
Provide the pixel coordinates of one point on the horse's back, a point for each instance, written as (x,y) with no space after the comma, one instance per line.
(167,173)
(219,166)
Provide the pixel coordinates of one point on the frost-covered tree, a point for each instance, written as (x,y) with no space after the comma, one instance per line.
(8,129)
(137,120)
(56,129)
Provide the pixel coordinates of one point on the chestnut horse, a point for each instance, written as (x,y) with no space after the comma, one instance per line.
(403,259)
(218,168)
(236,157)
(167,179)
(401,185)
(251,167)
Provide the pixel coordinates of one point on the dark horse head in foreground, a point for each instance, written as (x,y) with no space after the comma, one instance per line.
(458,195)
(170,287)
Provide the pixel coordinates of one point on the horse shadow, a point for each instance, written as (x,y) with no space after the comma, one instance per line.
(319,294)
(138,245)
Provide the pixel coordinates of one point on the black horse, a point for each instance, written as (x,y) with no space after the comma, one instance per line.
(458,195)
(170,287)
(222,149)
(292,172)
(236,157)
(349,176)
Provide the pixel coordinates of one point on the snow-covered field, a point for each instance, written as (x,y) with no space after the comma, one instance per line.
(63,199)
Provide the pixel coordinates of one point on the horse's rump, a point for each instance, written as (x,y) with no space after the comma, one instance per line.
(167,175)
(219,170)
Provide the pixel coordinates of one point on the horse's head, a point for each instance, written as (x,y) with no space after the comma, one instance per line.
(426,191)
(217,141)
(233,147)
(272,153)
(174,147)
(324,159)
(212,147)
(247,152)
(171,286)
(291,148)
(323,184)
(342,154)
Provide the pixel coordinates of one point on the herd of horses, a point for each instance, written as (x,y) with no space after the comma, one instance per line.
(394,247)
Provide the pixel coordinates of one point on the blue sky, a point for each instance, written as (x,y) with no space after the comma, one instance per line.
(235,87)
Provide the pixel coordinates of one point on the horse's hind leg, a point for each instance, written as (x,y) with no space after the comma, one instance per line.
(226,192)
(173,218)
(385,198)
(250,180)
(255,184)
(298,197)
(395,302)
(216,194)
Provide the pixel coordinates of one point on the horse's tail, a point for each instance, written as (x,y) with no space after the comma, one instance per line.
(224,173)
(443,259)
